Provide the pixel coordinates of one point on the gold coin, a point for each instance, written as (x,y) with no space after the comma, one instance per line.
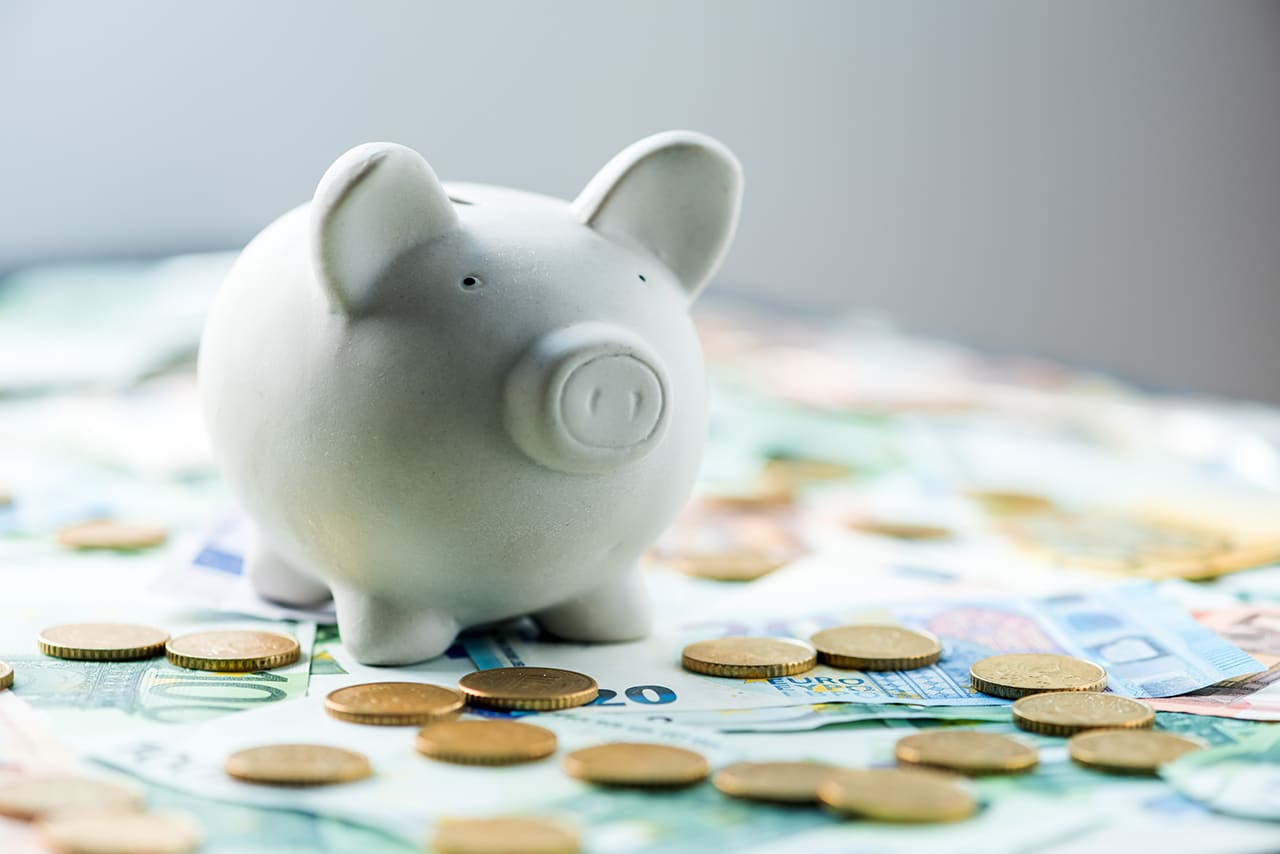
(239,651)
(1018,674)
(1003,502)
(105,534)
(6,676)
(298,765)
(899,530)
(1128,751)
(514,835)
(871,647)
(915,795)
(966,752)
(393,703)
(536,689)
(36,797)
(773,782)
(102,641)
(738,565)
(637,765)
(749,657)
(113,833)
(1069,712)
(485,742)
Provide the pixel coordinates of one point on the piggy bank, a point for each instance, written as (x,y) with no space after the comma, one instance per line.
(446,405)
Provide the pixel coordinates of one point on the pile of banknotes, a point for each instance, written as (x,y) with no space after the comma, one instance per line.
(853,474)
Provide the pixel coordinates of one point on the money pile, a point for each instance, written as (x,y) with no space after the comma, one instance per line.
(921,601)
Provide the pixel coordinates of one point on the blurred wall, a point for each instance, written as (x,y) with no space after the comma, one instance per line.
(1093,180)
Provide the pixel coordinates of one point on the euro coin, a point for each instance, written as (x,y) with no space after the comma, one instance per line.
(485,742)
(298,765)
(1015,675)
(102,641)
(749,657)
(773,782)
(1070,712)
(1128,751)
(966,752)
(535,689)
(36,797)
(870,647)
(393,703)
(900,530)
(514,835)
(6,676)
(915,795)
(740,565)
(637,765)
(105,534)
(1003,502)
(113,833)
(239,651)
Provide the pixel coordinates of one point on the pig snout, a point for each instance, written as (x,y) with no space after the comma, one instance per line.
(587,399)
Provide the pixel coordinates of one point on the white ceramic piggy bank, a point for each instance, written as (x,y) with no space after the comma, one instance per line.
(446,405)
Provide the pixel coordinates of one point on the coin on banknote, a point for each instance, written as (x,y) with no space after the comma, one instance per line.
(637,765)
(899,530)
(102,641)
(1069,712)
(916,795)
(1018,674)
(393,703)
(239,651)
(6,676)
(298,765)
(749,657)
(791,473)
(1006,502)
(507,835)
(114,833)
(1128,751)
(485,742)
(106,534)
(773,782)
(536,689)
(966,752)
(36,797)
(735,565)
(875,647)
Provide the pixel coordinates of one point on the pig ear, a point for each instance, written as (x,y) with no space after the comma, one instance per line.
(374,203)
(675,193)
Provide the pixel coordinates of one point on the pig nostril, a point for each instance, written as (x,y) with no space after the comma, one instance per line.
(593,402)
(470,282)
(636,397)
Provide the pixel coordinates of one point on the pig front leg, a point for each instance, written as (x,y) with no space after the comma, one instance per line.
(617,610)
(272,577)
(388,632)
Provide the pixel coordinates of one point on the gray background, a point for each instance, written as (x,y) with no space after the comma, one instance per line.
(1098,181)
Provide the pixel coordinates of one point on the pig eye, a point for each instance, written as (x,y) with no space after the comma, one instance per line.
(642,278)
(470,283)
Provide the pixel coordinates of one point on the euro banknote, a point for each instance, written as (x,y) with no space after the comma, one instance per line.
(1241,779)
(814,715)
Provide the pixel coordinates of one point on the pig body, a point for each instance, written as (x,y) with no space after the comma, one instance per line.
(446,405)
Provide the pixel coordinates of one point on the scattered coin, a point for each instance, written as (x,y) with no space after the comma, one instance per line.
(1002,502)
(1069,712)
(898,794)
(770,497)
(638,765)
(504,836)
(393,703)
(738,565)
(6,498)
(872,647)
(114,833)
(106,534)
(536,689)
(37,797)
(966,752)
(485,742)
(298,765)
(1018,674)
(749,657)
(6,676)
(1128,751)
(103,641)
(773,782)
(239,651)
(900,530)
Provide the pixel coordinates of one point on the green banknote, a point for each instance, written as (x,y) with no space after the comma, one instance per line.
(1240,778)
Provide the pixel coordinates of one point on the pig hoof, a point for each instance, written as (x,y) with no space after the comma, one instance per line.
(618,610)
(273,578)
(379,632)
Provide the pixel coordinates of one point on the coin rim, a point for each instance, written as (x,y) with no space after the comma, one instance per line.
(297,781)
(854,662)
(1041,727)
(580,697)
(392,719)
(574,766)
(1010,692)
(748,671)
(68,652)
(458,758)
(1026,760)
(233,665)
(1074,742)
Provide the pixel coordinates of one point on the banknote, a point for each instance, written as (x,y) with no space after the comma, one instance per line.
(814,715)
(1241,779)
(1256,630)
(1148,646)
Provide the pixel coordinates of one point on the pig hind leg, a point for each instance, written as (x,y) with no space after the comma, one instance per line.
(617,610)
(384,631)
